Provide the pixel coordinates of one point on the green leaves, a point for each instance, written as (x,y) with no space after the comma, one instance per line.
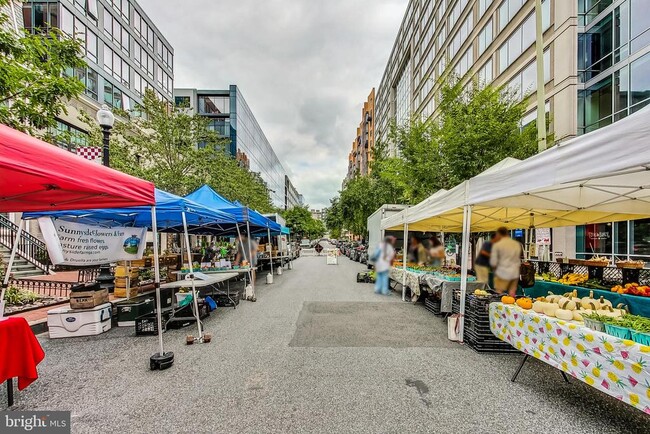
(475,128)
(33,85)
(302,224)
(161,146)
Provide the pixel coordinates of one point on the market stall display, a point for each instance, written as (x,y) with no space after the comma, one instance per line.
(617,367)
(20,354)
(636,304)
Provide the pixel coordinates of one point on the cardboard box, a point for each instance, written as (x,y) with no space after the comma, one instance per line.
(88,299)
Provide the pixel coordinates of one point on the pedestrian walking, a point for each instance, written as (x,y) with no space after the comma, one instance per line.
(505,259)
(383,257)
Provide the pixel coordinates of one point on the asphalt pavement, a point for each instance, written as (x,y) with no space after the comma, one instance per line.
(317,353)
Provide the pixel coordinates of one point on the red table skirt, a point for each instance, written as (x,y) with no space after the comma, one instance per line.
(20,352)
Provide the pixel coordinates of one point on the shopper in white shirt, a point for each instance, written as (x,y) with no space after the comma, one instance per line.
(505,260)
(383,256)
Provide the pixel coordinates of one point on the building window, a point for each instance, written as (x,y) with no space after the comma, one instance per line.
(68,137)
(525,82)
(403,96)
(182,101)
(91,46)
(485,38)
(485,73)
(595,49)
(483,5)
(214,104)
(137,22)
(122,8)
(520,40)
(590,9)
(507,11)
(66,22)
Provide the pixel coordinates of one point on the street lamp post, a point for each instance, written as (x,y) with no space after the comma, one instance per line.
(106,119)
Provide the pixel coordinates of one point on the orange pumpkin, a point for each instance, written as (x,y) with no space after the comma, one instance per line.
(525,303)
(506,299)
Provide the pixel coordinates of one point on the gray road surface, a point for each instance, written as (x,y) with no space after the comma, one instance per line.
(317,353)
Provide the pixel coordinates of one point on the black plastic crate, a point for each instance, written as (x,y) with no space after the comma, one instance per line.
(185,316)
(433,305)
(222,300)
(147,325)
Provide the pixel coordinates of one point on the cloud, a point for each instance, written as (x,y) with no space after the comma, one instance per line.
(304,66)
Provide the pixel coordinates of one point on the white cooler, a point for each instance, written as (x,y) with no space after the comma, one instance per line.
(67,323)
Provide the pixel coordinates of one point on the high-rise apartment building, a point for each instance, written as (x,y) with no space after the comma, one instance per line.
(231,117)
(124,51)
(596,71)
(360,157)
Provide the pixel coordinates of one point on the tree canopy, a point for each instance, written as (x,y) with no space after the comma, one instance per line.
(475,127)
(302,224)
(34,86)
(175,149)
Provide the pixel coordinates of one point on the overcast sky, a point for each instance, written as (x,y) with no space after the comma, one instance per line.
(305,68)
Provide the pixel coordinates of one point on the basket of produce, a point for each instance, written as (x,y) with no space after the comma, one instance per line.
(630,264)
(596,261)
(641,338)
(593,323)
(618,331)
(573,279)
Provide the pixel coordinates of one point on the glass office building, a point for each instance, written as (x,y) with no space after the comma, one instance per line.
(125,53)
(596,71)
(231,117)
(614,81)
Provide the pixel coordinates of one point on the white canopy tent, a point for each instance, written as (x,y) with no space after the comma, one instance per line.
(603,176)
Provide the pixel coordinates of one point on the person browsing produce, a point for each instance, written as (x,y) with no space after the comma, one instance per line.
(505,259)
(482,262)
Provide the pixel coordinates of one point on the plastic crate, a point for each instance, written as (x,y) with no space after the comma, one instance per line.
(185,315)
(433,305)
(147,325)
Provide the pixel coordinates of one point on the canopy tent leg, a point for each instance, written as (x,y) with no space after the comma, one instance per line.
(405,255)
(191,276)
(268,230)
(245,256)
(467,223)
(160,360)
(12,257)
(248,231)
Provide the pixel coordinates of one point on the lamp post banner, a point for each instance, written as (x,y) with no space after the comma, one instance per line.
(78,244)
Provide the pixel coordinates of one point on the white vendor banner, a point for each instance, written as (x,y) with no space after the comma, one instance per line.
(79,244)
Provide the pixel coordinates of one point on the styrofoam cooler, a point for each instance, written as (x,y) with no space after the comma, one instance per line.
(64,322)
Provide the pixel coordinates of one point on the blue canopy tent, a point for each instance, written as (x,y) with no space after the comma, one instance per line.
(171,214)
(256,223)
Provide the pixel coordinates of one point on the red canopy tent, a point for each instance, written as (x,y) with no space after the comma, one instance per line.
(36,176)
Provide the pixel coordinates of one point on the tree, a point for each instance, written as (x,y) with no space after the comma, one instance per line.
(302,224)
(334,218)
(476,127)
(175,149)
(34,86)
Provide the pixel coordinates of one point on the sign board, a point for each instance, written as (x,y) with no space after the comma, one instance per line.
(543,236)
(518,233)
(79,244)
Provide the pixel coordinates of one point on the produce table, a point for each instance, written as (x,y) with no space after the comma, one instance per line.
(446,289)
(20,353)
(638,305)
(614,366)
(412,279)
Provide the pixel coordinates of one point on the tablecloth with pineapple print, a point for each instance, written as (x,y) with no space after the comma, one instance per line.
(617,367)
